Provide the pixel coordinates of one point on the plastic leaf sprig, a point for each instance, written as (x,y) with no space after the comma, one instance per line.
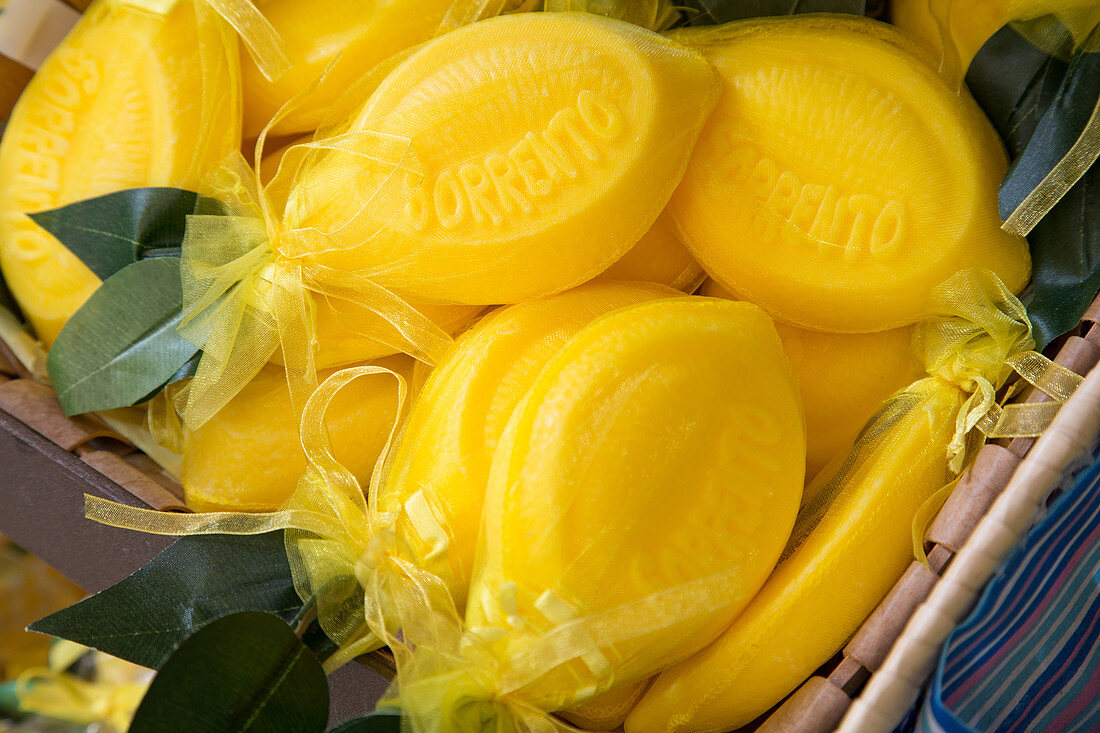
(840,179)
(90,123)
(591,571)
(1048,112)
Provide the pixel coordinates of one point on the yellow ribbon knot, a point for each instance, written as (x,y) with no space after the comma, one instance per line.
(251,287)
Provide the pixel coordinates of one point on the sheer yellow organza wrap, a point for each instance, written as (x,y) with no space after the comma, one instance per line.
(975,335)
(384,203)
(244,298)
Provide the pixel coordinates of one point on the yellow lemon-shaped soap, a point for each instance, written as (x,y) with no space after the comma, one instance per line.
(446,447)
(130,98)
(643,489)
(659,257)
(819,595)
(355,35)
(840,179)
(609,710)
(843,379)
(248,457)
(501,161)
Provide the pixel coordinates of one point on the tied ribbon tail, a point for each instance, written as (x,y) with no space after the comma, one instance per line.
(982,399)
(325,564)
(267,47)
(177,524)
(1061,178)
(1029,419)
(297,336)
(981,411)
(924,517)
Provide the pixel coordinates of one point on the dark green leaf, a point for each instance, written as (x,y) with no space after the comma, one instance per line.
(190,367)
(1065,254)
(1039,104)
(244,672)
(381,721)
(1057,130)
(193,582)
(122,344)
(110,232)
(712,12)
(1014,82)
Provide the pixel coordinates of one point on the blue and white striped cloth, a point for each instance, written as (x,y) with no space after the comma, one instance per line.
(1028,656)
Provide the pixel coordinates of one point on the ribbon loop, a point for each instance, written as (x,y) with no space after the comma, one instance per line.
(267,47)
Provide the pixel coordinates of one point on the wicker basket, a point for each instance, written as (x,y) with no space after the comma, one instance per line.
(50,461)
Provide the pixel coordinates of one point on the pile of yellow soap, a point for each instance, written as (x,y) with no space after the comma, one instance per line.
(682,271)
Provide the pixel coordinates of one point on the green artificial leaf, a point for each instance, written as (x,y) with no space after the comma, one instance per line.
(189,369)
(380,721)
(713,12)
(122,344)
(1039,104)
(193,582)
(1061,124)
(110,232)
(244,672)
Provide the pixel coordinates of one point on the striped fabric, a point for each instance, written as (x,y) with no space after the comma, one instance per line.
(1028,656)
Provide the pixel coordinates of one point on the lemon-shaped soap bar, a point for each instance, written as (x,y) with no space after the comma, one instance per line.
(817,597)
(353,34)
(130,98)
(502,161)
(648,479)
(658,257)
(843,379)
(446,448)
(248,457)
(840,179)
